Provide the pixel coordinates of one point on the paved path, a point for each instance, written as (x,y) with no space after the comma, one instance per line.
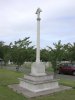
(21,69)
(68,77)
(26,70)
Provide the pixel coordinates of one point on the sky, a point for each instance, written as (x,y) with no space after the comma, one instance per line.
(18,20)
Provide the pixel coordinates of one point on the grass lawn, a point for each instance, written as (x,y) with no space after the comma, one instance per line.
(64,95)
(10,77)
(8,94)
(49,69)
(67,83)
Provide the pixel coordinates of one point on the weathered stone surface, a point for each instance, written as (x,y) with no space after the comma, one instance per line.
(39,78)
(30,94)
(38,83)
(38,69)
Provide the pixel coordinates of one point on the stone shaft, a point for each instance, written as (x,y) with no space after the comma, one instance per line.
(38,36)
(38,41)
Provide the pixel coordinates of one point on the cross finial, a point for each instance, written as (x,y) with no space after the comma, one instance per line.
(38,14)
(38,11)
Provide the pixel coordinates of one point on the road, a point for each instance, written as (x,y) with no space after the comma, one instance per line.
(21,69)
(58,76)
(62,76)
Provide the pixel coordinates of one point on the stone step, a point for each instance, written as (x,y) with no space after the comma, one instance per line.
(38,82)
(38,78)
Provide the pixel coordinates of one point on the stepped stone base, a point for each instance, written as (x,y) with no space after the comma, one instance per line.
(38,80)
(30,94)
(38,83)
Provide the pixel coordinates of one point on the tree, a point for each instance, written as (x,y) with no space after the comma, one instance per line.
(4,52)
(56,54)
(25,43)
(19,51)
(31,54)
(44,55)
(67,52)
(1,49)
(72,52)
(18,56)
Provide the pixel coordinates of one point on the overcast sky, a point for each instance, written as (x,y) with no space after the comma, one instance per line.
(18,20)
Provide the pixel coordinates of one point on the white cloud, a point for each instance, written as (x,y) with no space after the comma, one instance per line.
(18,19)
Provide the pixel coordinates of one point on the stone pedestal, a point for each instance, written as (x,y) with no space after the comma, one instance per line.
(38,69)
(38,83)
(38,80)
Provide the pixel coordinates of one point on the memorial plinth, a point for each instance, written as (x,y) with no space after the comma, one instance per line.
(38,83)
(38,69)
(38,80)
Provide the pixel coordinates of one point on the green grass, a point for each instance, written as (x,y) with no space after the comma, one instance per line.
(64,95)
(67,82)
(9,77)
(49,69)
(8,94)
